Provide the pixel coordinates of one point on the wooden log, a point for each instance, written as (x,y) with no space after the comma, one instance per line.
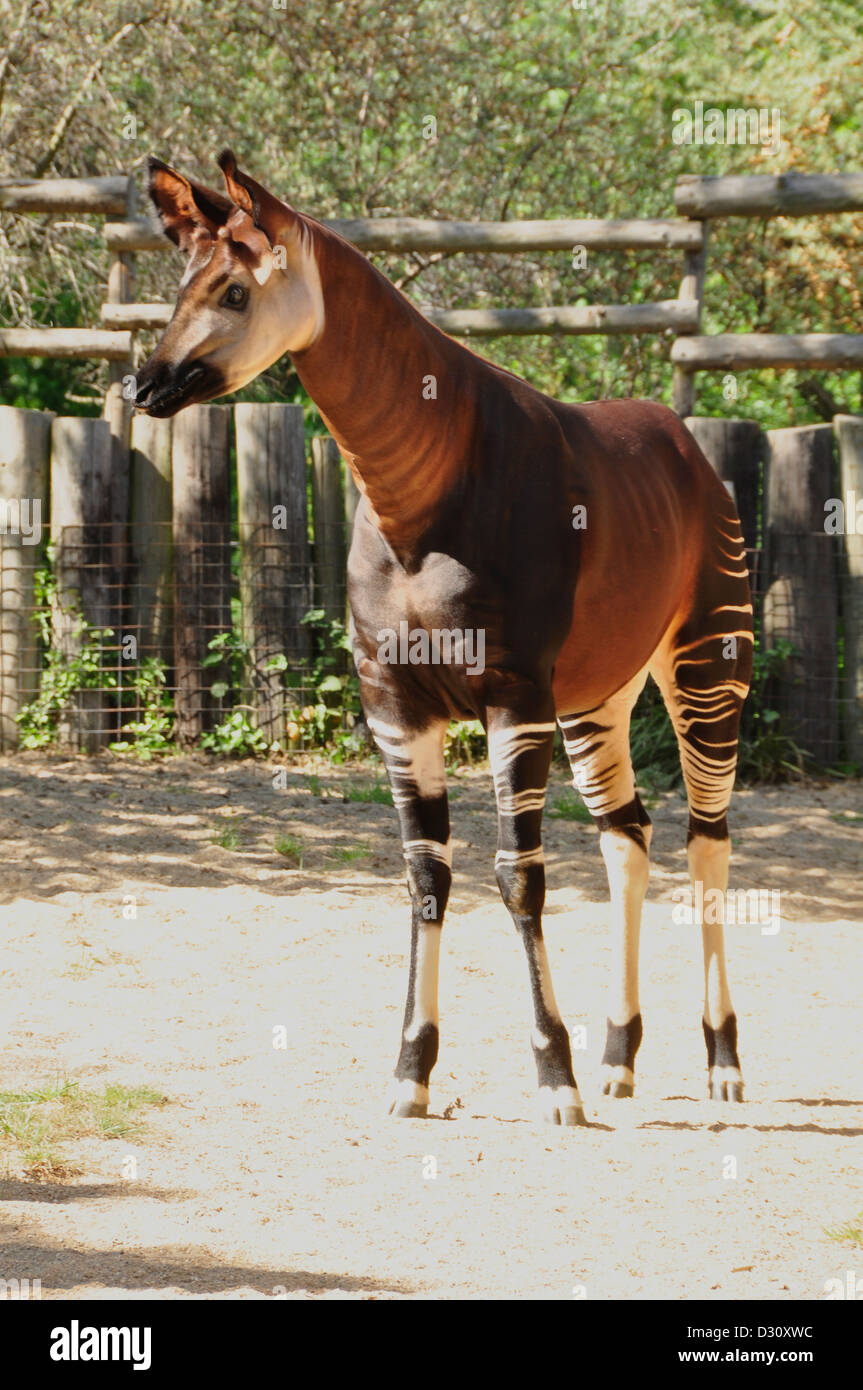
(737,351)
(84,554)
(25,438)
(691,292)
(801,599)
(201,495)
(849,434)
(275,592)
(767,195)
(736,450)
(567,319)
(150,540)
(65,342)
(431,234)
(135,316)
(328,511)
(103,195)
(490,323)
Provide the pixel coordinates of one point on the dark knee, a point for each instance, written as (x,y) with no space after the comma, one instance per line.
(630,820)
(522,887)
(429,883)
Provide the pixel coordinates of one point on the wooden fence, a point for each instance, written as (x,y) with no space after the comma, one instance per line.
(699,201)
(209,534)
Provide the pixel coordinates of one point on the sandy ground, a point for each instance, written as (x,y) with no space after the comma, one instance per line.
(274,1171)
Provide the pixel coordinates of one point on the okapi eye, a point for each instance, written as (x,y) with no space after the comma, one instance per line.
(234,297)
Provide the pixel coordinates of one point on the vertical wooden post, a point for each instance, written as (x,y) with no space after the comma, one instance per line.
(274,552)
(849,433)
(328,509)
(691,288)
(200,455)
(25,437)
(118,408)
(151,594)
(82,533)
(735,448)
(801,600)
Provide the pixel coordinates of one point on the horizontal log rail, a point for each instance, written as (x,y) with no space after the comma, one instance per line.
(767,195)
(429,234)
(65,342)
(736,351)
(103,195)
(488,323)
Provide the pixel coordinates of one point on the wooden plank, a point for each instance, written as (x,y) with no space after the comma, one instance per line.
(849,434)
(737,351)
(431,234)
(150,541)
(801,598)
(120,394)
(65,342)
(25,439)
(767,195)
(99,195)
(87,582)
(274,553)
(568,319)
(201,492)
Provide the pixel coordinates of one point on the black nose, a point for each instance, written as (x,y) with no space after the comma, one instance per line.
(143,392)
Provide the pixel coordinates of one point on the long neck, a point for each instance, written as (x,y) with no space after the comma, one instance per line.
(395,392)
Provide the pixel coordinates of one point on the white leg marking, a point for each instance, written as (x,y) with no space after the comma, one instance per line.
(425,992)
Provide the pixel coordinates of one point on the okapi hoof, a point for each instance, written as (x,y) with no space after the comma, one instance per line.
(725,1086)
(409,1101)
(619,1090)
(561,1106)
(619,1082)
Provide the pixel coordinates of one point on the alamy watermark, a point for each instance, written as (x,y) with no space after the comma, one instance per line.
(737,125)
(446,646)
(22,516)
(735,906)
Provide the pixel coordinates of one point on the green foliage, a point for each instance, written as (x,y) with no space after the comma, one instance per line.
(153,732)
(67,671)
(235,737)
(568,806)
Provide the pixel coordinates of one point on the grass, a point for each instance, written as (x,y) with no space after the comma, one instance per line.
(229,837)
(850,1232)
(570,807)
(34,1125)
(376,792)
(289,848)
(847,817)
(347,855)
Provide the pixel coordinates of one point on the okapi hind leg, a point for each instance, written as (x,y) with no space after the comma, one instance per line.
(415,766)
(597,745)
(520,743)
(703,673)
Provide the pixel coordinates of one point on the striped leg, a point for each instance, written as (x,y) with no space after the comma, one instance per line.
(520,754)
(704,676)
(597,745)
(415,766)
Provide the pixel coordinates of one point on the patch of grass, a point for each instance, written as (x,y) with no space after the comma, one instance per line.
(347,854)
(376,792)
(569,806)
(850,1233)
(34,1125)
(314,785)
(229,837)
(289,848)
(847,817)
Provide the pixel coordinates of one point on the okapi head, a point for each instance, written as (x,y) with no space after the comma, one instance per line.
(251,289)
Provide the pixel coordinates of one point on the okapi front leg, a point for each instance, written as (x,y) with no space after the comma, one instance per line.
(415,766)
(520,754)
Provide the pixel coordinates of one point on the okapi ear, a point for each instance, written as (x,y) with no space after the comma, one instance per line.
(276,220)
(187,210)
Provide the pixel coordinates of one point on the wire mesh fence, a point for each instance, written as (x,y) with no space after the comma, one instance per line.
(230,641)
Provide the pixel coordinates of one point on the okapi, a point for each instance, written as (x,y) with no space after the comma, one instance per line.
(590,544)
